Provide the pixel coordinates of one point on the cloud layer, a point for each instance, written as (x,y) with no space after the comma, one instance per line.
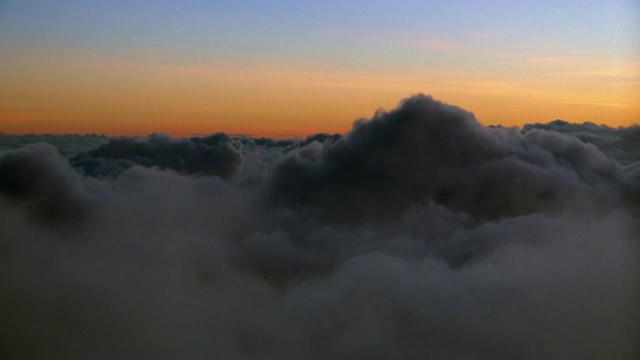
(212,155)
(418,234)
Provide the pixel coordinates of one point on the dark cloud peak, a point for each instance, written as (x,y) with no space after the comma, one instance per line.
(428,150)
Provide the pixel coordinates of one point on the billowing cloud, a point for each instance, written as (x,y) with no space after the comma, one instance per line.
(418,234)
(69,144)
(623,144)
(217,154)
(40,182)
(426,150)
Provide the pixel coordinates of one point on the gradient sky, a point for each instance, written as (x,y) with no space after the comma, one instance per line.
(291,68)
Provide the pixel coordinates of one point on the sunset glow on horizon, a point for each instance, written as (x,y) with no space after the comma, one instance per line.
(285,69)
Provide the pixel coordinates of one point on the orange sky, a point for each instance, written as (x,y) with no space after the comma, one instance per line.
(47,92)
(225,67)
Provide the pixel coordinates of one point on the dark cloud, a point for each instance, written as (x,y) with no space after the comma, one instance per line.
(217,154)
(419,234)
(41,181)
(267,142)
(621,143)
(68,145)
(426,150)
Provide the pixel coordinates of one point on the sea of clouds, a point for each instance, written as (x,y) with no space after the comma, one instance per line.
(418,234)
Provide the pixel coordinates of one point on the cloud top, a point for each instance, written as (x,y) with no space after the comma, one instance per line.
(217,154)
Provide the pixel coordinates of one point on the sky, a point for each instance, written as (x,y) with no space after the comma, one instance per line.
(290,68)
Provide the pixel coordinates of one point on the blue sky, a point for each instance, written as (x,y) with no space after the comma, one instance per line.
(294,27)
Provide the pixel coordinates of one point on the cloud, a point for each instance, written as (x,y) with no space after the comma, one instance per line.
(623,144)
(39,180)
(426,150)
(69,145)
(420,233)
(217,154)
